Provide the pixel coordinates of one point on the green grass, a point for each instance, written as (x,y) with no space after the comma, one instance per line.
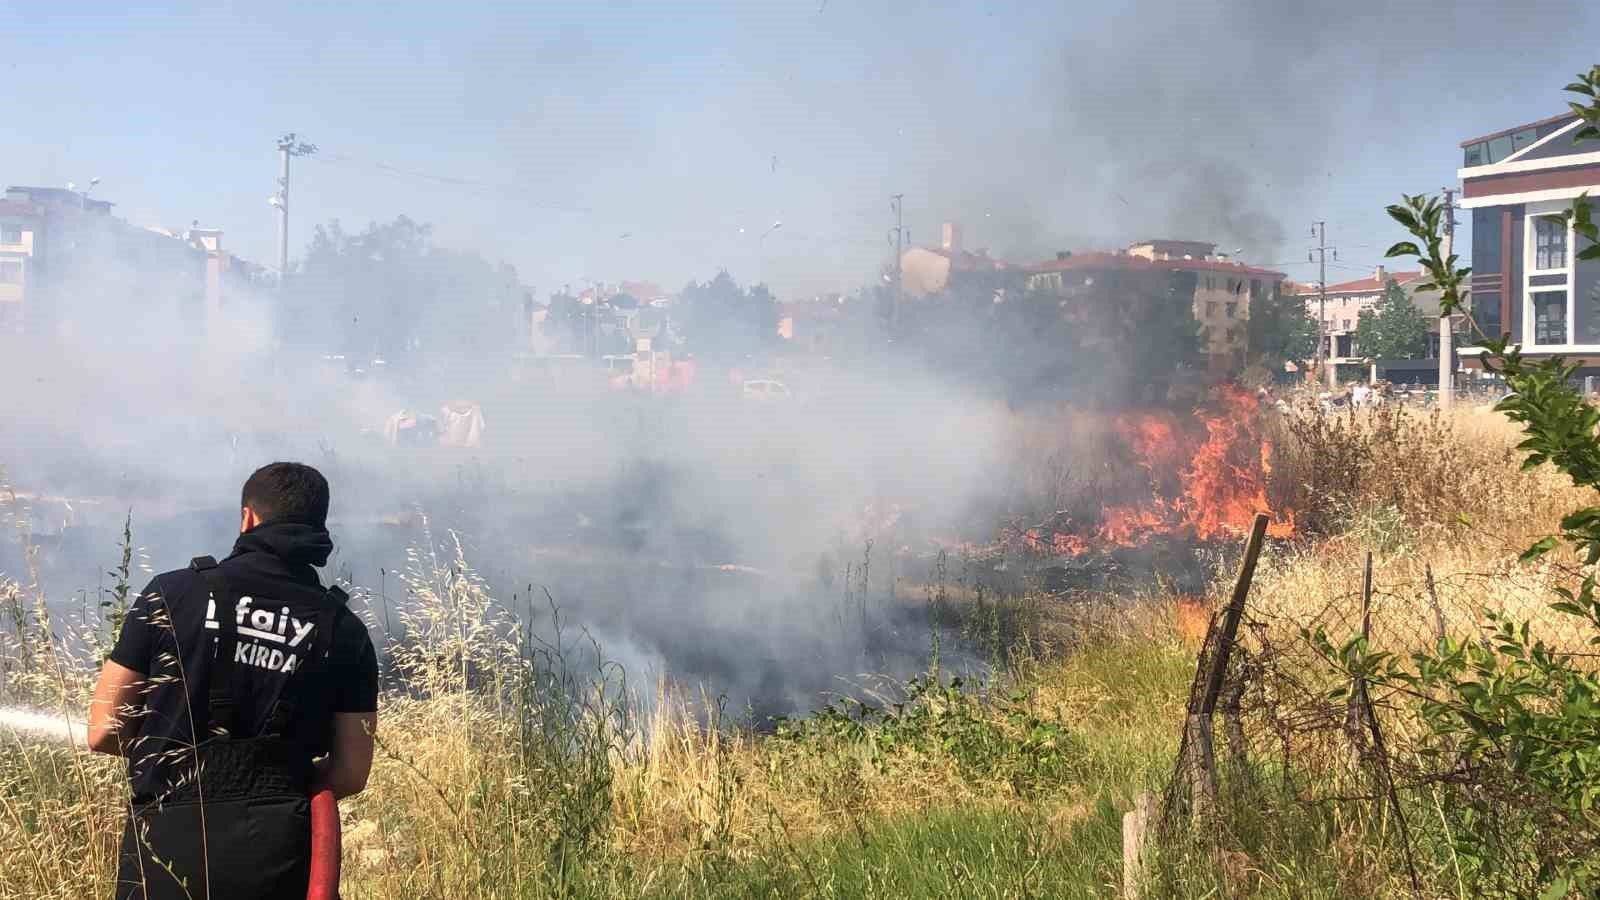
(947,854)
(1117,700)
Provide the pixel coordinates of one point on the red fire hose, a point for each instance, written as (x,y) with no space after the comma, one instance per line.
(324,883)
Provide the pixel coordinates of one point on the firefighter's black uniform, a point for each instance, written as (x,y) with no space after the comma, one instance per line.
(247,661)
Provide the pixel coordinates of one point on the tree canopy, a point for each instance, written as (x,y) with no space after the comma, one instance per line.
(1281,330)
(386,291)
(723,321)
(1393,328)
(1114,338)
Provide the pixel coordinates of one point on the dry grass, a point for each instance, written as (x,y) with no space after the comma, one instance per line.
(1444,507)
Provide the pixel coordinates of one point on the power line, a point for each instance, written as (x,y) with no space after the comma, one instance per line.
(466,185)
(524,194)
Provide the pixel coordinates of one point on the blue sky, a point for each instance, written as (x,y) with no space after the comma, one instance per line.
(635,140)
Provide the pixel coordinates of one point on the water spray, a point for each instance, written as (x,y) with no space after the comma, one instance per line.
(27,724)
(42,726)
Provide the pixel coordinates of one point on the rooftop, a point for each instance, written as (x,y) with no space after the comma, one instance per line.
(969,261)
(1551,120)
(59,197)
(1371,283)
(1127,261)
(1205,247)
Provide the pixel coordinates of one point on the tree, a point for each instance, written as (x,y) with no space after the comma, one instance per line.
(1393,328)
(566,322)
(723,321)
(387,292)
(1114,336)
(1281,330)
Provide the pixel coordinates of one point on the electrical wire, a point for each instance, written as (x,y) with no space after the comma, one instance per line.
(467,185)
(525,195)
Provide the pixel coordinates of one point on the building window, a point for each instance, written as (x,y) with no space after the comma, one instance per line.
(1486,309)
(1549,318)
(1344,325)
(10,234)
(10,273)
(1211,309)
(1210,283)
(1500,148)
(1232,308)
(1549,242)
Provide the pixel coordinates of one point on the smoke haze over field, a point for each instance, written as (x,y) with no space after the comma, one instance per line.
(698,536)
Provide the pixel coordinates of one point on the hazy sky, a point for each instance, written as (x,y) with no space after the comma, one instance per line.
(614,141)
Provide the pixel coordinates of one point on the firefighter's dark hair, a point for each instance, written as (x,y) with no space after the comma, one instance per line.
(287,491)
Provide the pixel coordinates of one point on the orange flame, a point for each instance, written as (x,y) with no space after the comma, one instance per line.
(1221,470)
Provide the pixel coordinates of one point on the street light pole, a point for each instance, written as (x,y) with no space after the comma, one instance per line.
(1447,369)
(897,202)
(1324,359)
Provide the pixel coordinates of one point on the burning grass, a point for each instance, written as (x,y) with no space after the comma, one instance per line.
(1202,479)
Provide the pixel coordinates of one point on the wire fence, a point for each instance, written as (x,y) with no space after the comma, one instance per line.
(1281,740)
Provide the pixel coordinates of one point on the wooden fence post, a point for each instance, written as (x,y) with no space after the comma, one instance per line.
(1135,828)
(1433,599)
(1199,756)
(1355,716)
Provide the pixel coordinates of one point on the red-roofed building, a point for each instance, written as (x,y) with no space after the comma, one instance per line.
(646,292)
(1217,291)
(1345,301)
(933,270)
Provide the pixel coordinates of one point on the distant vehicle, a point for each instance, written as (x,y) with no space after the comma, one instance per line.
(619,369)
(765,389)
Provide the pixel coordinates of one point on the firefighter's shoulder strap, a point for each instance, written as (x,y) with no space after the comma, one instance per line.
(224,604)
(283,706)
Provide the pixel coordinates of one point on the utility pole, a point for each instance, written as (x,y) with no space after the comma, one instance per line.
(288,145)
(1447,368)
(1324,363)
(896,202)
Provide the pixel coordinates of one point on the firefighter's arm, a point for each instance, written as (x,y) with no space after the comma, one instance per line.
(118,695)
(346,767)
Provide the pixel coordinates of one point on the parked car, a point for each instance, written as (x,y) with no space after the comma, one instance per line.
(765,389)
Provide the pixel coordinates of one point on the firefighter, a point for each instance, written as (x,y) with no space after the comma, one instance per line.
(234,690)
